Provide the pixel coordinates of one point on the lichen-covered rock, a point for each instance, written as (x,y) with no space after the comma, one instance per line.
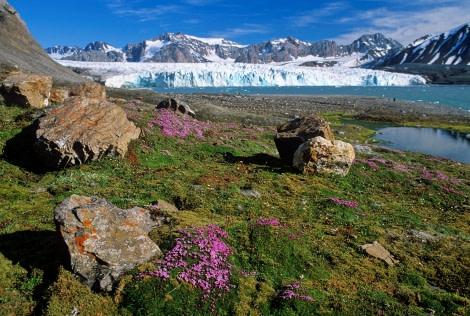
(82,130)
(58,95)
(103,240)
(292,134)
(27,90)
(92,90)
(319,155)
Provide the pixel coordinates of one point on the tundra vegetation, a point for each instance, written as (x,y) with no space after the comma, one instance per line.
(252,236)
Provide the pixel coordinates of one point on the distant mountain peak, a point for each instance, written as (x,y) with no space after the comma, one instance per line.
(448,48)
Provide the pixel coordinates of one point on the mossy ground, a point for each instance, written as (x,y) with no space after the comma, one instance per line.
(415,205)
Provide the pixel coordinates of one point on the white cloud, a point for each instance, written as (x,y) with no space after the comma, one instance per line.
(133,9)
(406,26)
(318,14)
(245,29)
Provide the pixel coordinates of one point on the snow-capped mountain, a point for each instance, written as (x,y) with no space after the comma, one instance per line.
(171,47)
(95,51)
(449,48)
(63,52)
(175,48)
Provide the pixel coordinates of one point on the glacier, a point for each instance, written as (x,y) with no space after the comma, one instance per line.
(226,74)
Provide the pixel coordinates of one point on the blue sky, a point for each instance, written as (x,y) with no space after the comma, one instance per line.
(118,22)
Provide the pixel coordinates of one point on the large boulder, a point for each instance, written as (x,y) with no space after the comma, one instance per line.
(320,155)
(292,134)
(92,90)
(176,106)
(103,240)
(82,130)
(27,90)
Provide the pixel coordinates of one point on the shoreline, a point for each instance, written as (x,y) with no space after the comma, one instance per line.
(364,108)
(273,109)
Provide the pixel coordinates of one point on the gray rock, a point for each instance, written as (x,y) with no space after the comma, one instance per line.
(103,240)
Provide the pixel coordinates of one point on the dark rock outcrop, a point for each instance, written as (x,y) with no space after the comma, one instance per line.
(103,240)
(176,106)
(21,51)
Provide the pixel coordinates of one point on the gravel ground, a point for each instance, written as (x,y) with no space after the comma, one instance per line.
(274,109)
(263,109)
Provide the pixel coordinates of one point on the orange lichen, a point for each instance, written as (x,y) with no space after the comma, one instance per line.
(87,223)
(127,223)
(79,242)
(142,210)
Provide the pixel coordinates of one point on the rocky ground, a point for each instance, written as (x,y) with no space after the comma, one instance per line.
(274,109)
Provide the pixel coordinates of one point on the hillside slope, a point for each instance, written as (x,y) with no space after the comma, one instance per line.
(19,50)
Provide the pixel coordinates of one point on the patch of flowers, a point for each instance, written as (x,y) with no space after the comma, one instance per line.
(294,291)
(199,258)
(172,124)
(346,203)
(267,222)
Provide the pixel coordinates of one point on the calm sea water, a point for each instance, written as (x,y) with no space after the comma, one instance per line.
(455,96)
(433,141)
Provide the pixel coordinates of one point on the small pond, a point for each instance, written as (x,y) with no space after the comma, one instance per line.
(433,141)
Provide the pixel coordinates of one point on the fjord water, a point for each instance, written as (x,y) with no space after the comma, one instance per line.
(436,142)
(455,96)
(433,141)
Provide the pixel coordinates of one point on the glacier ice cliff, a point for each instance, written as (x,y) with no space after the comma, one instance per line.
(219,74)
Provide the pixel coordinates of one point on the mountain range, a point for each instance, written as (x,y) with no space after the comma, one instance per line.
(182,48)
(374,51)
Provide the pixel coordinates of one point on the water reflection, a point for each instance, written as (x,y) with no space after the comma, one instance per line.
(433,141)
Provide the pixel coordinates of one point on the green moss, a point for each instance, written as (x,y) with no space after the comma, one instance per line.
(68,296)
(15,289)
(416,206)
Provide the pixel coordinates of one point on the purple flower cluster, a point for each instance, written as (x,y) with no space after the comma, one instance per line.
(267,222)
(343,202)
(199,258)
(291,291)
(173,124)
(368,162)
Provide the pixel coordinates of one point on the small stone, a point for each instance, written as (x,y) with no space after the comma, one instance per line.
(378,251)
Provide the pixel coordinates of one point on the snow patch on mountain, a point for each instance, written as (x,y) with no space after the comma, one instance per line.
(191,75)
